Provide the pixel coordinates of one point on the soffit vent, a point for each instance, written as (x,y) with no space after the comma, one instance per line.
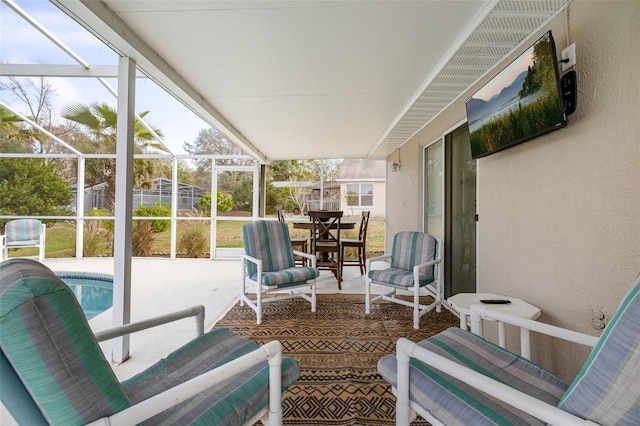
(508,24)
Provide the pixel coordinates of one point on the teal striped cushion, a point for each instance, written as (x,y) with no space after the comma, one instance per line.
(230,403)
(395,276)
(408,250)
(453,401)
(290,276)
(47,339)
(268,240)
(23,232)
(607,389)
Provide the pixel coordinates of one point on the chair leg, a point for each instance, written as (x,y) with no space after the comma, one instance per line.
(339,270)
(416,306)
(341,259)
(367,296)
(243,283)
(313,296)
(259,305)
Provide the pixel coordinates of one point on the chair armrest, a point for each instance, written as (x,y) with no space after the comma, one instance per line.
(194,311)
(426,264)
(483,311)
(309,256)
(407,349)
(375,259)
(148,408)
(252,259)
(2,240)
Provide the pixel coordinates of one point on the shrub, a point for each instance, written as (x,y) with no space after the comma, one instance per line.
(93,237)
(106,227)
(142,238)
(194,240)
(157,209)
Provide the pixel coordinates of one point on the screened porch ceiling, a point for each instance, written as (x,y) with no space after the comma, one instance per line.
(315,79)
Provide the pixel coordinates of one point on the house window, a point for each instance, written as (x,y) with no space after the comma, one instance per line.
(360,195)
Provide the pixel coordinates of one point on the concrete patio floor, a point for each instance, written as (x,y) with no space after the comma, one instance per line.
(160,286)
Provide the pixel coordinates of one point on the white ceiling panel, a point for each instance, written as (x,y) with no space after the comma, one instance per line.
(315,79)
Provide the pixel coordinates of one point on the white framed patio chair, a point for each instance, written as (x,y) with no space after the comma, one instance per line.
(20,233)
(54,372)
(269,264)
(457,377)
(414,265)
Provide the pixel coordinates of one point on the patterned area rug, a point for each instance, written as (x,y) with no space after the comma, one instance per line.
(338,348)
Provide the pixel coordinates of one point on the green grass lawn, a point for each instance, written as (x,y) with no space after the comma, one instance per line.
(61,238)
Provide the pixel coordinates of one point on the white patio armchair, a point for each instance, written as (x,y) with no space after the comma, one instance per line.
(21,233)
(54,372)
(269,265)
(414,265)
(457,377)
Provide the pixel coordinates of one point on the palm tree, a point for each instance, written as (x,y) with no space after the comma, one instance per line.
(99,121)
(12,129)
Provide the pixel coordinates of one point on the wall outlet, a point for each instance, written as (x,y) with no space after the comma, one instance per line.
(569,55)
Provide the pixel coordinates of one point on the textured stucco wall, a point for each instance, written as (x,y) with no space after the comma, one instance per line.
(559,215)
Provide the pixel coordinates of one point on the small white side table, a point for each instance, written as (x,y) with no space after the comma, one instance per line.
(462,302)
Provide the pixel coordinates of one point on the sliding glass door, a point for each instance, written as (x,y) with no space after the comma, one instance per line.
(450,207)
(460,217)
(434,185)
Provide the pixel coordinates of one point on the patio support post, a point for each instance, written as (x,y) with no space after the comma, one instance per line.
(262,196)
(255,203)
(123,206)
(80,207)
(174,205)
(214,209)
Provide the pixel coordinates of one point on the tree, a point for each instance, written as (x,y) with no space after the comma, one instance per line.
(164,169)
(293,196)
(212,142)
(29,186)
(13,130)
(224,203)
(99,122)
(325,170)
(36,94)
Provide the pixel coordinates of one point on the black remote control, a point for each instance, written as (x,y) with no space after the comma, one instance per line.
(495,301)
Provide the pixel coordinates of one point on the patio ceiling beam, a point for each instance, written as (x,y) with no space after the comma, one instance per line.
(45,32)
(101,21)
(48,70)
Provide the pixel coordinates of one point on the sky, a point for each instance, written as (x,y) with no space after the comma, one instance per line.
(21,43)
(506,76)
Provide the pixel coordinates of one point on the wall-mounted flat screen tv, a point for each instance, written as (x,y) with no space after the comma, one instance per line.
(520,103)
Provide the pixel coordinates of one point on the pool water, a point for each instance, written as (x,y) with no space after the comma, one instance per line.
(94,291)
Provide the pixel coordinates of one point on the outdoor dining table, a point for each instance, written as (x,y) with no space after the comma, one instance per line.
(309,225)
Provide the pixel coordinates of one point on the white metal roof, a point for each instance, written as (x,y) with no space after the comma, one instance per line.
(314,79)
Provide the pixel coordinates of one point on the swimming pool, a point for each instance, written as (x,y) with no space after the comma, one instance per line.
(93,290)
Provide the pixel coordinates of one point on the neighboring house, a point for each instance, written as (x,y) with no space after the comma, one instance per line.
(362,186)
(161,191)
(330,199)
